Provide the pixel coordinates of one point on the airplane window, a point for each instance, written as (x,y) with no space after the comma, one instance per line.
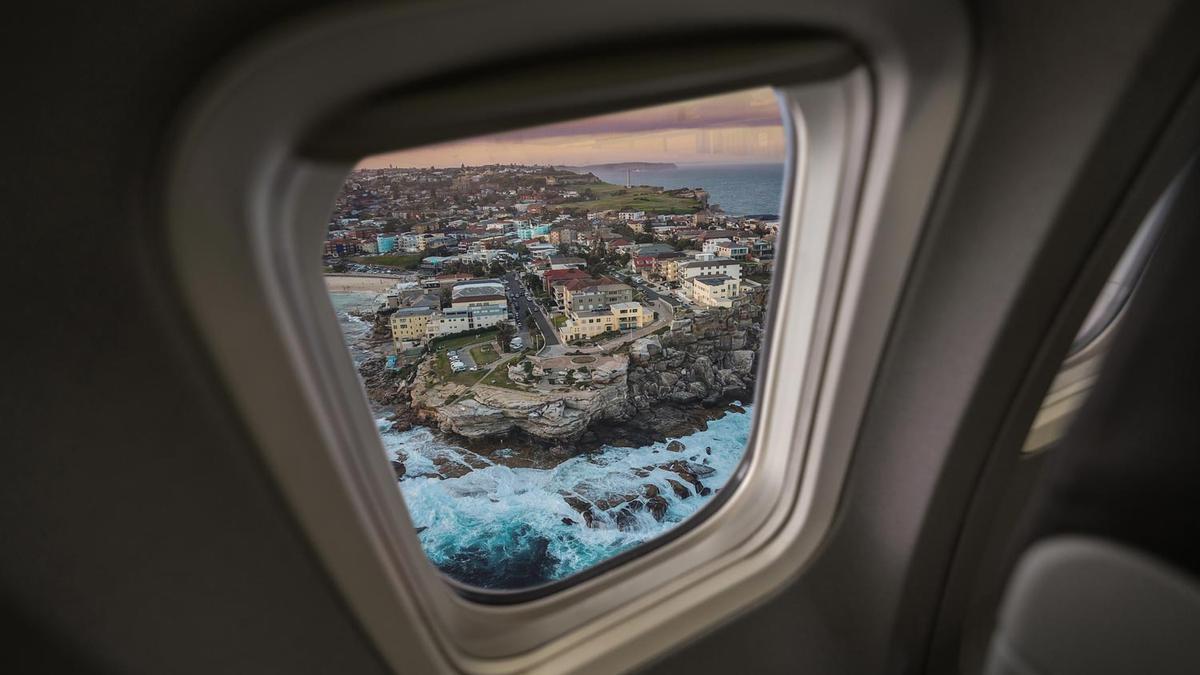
(1078,372)
(558,328)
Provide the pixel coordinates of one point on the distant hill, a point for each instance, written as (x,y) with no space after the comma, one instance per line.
(621,166)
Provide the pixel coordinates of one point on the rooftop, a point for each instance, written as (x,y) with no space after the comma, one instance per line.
(712,262)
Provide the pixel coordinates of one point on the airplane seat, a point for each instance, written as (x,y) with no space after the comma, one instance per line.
(1108,577)
(1089,605)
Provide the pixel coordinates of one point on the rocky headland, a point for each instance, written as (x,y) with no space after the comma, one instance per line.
(657,387)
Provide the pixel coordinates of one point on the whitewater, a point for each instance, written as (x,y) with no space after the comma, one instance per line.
(503,527)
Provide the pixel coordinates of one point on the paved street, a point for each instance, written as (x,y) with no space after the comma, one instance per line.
(523,307)
(652,294)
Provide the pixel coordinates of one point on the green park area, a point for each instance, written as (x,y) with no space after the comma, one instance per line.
(484,354)
(607,196)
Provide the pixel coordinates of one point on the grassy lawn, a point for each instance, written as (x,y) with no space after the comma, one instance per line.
(484,354)
(620,198)
(463,340)
(558,320)
(500,378)
(401,261)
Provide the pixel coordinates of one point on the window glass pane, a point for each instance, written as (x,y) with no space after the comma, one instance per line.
(1079,370)
(558,328)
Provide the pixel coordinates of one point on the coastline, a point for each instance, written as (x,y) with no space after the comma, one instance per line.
(515,510)
(359,283)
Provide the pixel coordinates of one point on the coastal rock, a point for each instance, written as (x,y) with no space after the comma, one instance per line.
(741,361)
(650,395)
(644,349)
(625,520)
(679,489)
(657,506)
(676,446)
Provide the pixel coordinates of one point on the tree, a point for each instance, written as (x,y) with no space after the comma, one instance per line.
(446,296)
(505,332)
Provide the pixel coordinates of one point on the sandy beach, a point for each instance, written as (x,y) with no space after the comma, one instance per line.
(365,283)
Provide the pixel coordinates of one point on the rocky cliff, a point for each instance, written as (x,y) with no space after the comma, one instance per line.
(555,414)
(668,385)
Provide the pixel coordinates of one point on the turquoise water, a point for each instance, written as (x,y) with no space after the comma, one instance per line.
(504,528)
(740,189)
(500,527)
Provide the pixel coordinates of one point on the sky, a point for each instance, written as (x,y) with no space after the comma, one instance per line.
(740,127)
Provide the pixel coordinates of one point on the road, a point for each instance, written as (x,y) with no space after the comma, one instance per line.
(652,294)
(523,307)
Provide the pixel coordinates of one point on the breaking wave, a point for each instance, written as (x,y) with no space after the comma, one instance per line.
(500,527)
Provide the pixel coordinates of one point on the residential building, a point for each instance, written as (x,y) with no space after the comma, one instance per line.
(451,278)
(563,235)
(566,263)
(478,303)
(653,249)
(529,231)
(618,317)
(550,277)
(386,243)
(592,294)
(709,268)
(732,250)
(713,291)
(341,247)
(429,242)
(410,324)
(642,264)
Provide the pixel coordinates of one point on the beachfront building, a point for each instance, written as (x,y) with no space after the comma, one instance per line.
(616,318)
(714,291)
(385,243)
(410,324)
(481,301)
(478,303)
(591,294)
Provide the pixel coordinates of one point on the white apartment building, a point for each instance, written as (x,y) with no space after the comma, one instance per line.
(714,291)
(710,268)
(711,245)
(733,250)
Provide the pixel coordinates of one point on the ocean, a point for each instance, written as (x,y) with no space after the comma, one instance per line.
(508,528)
(740,189)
